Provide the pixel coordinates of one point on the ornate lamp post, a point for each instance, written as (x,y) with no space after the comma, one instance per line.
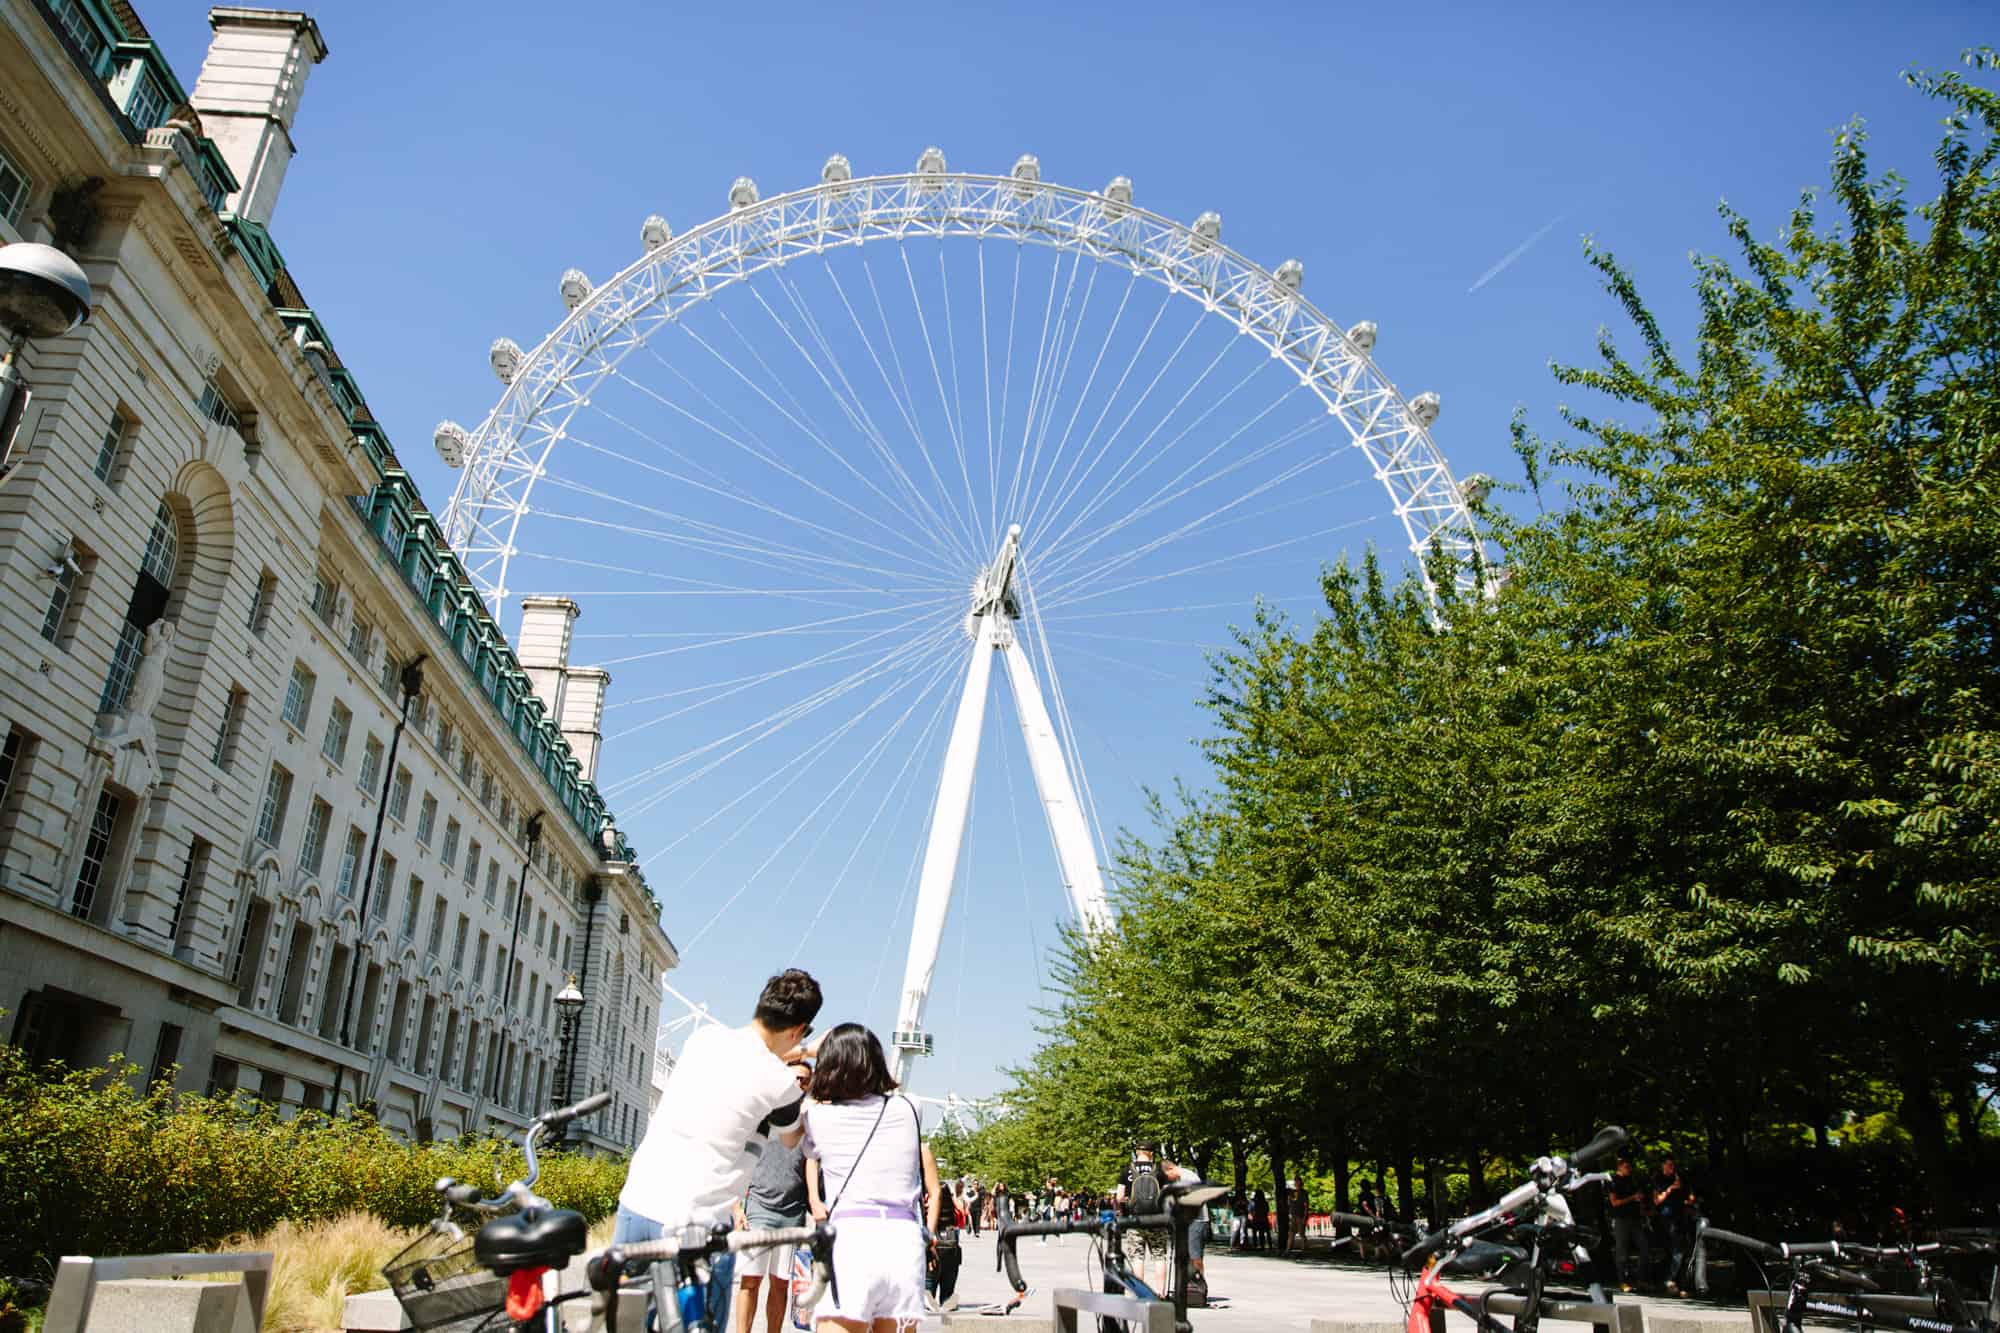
(531,837)
(569,1006)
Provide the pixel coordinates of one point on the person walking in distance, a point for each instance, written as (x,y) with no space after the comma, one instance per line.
(777,1198)
(868,1171)
(1670,1199)
(1153,1244)
(975,1205)
(946,1253)
(1628,1223)
(730,1093)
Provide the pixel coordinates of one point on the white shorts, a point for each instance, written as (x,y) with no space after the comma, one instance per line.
(766,1261)
(878,1266)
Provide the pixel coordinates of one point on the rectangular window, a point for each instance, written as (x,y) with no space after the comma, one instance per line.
(75,22)
(458,943)
(194,877)
(226,735)
(541,927)
(479,959)
(325,594)
(391,677)
(298,696)
(271,815)
(112,447)
(359,637)
(312,848)
(507,812)
(447,739)
(146,106)
(64,571)
(385,887)
(399,795)
(261,598)
(449,853)
(96,850)
(472,863)
(350,861)
(339,720)
(413,907)
(166,1053)
(371,766)
(437,927)
(513,894)
(427,815)
(215,405)
(125,655)
(492,882)
(486,790)
(15,187)
(13,754)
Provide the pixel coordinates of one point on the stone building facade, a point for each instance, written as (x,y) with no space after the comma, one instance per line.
(225,804)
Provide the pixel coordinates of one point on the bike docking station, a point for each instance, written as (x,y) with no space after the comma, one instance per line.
(135,1292)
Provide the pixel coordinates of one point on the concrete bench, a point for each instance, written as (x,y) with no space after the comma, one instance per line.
(1016,1322)
(126,1292)
(1695,1321)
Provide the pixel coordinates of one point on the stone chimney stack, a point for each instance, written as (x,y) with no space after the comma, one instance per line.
(574,696)
(249,91)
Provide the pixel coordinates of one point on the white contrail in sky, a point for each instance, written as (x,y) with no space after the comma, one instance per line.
(1507,261)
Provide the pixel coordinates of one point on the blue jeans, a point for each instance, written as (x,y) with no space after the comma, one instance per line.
(631,1226)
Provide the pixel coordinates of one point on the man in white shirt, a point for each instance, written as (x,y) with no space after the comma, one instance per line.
(728,1093)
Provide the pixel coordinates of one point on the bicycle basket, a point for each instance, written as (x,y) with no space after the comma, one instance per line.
(440,1285)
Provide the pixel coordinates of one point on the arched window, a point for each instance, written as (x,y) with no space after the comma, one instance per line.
(151,592)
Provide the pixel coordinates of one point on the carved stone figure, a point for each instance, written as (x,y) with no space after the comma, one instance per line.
(127,736)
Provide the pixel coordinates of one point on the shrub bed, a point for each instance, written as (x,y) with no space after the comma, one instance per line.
(90,1166)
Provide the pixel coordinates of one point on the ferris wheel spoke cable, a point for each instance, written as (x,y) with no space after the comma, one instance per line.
(1044,403)
(1021,859)
(902,673)
(906,403)
(709,639)
(876,658)
(1035,380)
(809,432)
(999,439)
(957,390)
(1070,599)
(1074,753)
(802,413)
(1118,431)
(1082,397)
(1206,521)
(849,402)
(845,787)
(901,782)
(742,552)
(849,541)
(944,401)
(953,540)
(1113,486)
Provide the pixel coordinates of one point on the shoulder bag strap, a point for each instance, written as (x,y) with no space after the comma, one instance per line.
(856,1165)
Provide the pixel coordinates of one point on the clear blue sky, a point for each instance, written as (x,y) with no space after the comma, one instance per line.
(454,158)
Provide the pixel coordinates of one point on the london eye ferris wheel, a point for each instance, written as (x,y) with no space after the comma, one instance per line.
(813,465)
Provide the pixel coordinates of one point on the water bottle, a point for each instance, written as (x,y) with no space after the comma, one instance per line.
(694,1305)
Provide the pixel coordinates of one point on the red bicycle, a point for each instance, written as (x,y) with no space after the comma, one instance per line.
(1542,1247)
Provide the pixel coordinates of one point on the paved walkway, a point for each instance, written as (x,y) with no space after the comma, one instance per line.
(1256,1290)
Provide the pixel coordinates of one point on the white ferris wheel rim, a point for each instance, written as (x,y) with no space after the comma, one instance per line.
(510,449)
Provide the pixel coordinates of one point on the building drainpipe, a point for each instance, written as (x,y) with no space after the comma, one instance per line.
(532,839)
(592,895)
(412,682)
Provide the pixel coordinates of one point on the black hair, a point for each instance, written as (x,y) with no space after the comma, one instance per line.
(851,1066)
(790,999)
(1146,1145)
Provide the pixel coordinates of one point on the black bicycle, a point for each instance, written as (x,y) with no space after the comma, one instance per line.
(1182,1205)
(507,1275)
(1941,1305)
(1528,1243)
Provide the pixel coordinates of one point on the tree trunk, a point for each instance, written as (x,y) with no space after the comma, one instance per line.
(1406,1204)
(1240,1159)
(1475,1178)
(1920,1115)
(1281,1195)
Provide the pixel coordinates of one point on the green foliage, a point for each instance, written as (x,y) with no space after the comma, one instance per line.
(1692,825)
(89,1166)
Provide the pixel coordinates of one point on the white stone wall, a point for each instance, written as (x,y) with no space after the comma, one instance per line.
(239,978)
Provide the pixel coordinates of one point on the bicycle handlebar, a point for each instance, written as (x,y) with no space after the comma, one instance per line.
(1363,1222)
(594,1102)
(1011,1233)
(1608,1140)
(1810,1249)
(605,1268)
(1761,1249)
(522,1190)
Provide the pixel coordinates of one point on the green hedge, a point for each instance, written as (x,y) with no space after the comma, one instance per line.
(89,1166)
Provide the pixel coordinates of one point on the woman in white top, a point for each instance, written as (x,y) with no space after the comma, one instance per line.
(867,1168)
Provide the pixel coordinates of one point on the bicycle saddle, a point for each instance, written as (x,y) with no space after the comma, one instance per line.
(1482,1258)
(545,1239)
